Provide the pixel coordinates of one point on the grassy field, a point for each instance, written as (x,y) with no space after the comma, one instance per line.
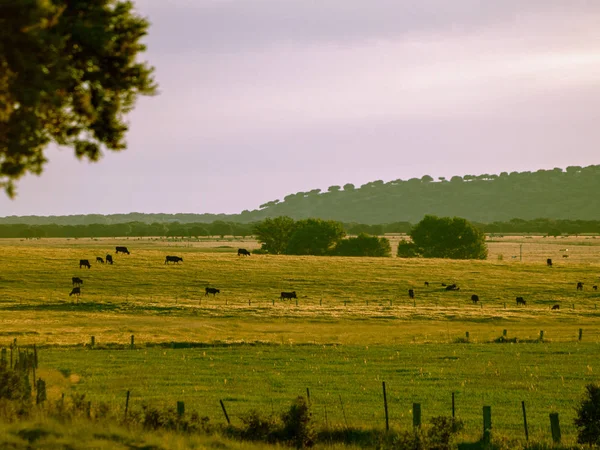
(352,328)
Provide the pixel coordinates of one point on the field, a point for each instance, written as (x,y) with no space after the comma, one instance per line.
(352,327)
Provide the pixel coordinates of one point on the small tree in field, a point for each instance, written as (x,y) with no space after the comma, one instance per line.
(363,245)
(446,237)
(588,417)
(314,237)
(274,234)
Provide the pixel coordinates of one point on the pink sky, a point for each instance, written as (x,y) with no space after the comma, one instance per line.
(263,98)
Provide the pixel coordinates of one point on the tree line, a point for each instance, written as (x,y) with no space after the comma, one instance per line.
(223,228)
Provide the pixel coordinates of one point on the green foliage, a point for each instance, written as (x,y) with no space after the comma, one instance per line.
(363,245)
(407,249)
(298,429)
(442,430)
(588,416)
(258,428)
(14,384)
(314,237)
(274,234)
(446,237)
(69,72)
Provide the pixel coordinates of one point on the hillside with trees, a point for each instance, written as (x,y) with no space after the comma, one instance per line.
(556,194)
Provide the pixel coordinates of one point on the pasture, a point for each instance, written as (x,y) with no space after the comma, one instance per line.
(353,327)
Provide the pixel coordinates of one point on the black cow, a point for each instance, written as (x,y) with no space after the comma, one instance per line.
(84,263)
(556,307)
(565,256)
(173,259)
(121,250)
(521,301)
(109,259)
(288,295)
(99,259)
(579,286)
(411,293)
(243,252)
(75,291)
(212,291)
(77,281)
(427,283)
(452,287)
(549,262)
(474,298)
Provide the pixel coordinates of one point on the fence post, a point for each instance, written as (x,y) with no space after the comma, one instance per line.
(92,341)
(453,410)
(555,427)
(580,334)
(467,336)
(225,412)
(132,342)
(504,333)
(40,394)
(541,335)
(180,408)
(416,415)
(35,357)
(487,424)
(308,395)
(525,421)
(127,403)
(387,419)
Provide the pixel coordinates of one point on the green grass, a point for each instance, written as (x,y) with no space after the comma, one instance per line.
(354,327)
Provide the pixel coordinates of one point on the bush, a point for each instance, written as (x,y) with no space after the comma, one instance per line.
(14,384)
(588,417)
(442,430)
(297,427)
(257,428)
(363,245)
(407,249)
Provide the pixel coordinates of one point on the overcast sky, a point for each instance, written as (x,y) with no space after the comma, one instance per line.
(263,98)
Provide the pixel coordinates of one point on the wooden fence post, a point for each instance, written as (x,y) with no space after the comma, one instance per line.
(541,335)
(180,408)
(453,411)
(555,428)
(225,412)
(308,395)
(35,357)
(92,341)
(132,342)
(127,403)
(387,419)
(580,334)
(487,424)
(525,421)
(467,336)
(416,415)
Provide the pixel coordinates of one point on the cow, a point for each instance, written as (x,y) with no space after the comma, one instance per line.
(77,281)
(556,307)
(243,252)
(84,263)
(99,260)
(288,295)
(579,286)
(75,291)
(549,262)
(452,287)
(109,259)
(427,283)
(521,301)
(474,298)
(411,293)
(174,259)
(212,291)
(595,287)
(565,256)
(121,250)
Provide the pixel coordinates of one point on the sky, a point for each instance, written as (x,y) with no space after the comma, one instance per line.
(262,98)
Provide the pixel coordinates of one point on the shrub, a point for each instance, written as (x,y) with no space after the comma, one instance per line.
(363,245)
(258,428)
(407,249)
(441,432)
(14,384)
(588,416)
(297,427)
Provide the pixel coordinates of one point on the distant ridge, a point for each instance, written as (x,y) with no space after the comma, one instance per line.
(573,194)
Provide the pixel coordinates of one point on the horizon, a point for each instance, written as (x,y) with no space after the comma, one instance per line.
(258,100)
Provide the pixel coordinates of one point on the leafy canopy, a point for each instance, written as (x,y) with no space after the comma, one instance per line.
(364,245)
(68,74)
(445,237)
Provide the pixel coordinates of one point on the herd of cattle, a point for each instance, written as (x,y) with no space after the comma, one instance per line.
(77,282)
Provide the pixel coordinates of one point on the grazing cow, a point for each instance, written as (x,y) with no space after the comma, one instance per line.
(84,263)
(579,286)
(77,281)
(99,259)
(288,295)
(427,283)
(521,301)
(556,307)
(243,252)
(75,291)
(474,298)
(121,250)
(595,287)
(173,259)
(212,291)
(565,256)
(549,262)
(411,293)
(109,259)
(452,287)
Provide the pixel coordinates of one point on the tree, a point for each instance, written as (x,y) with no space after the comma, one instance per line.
(349,187)
(446,237)
(314,237)
(334,189)
(68,74)
(426,179)
(588,417)
(363,245)
(274,234)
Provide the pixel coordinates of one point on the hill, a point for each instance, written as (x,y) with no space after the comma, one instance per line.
(556,194)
